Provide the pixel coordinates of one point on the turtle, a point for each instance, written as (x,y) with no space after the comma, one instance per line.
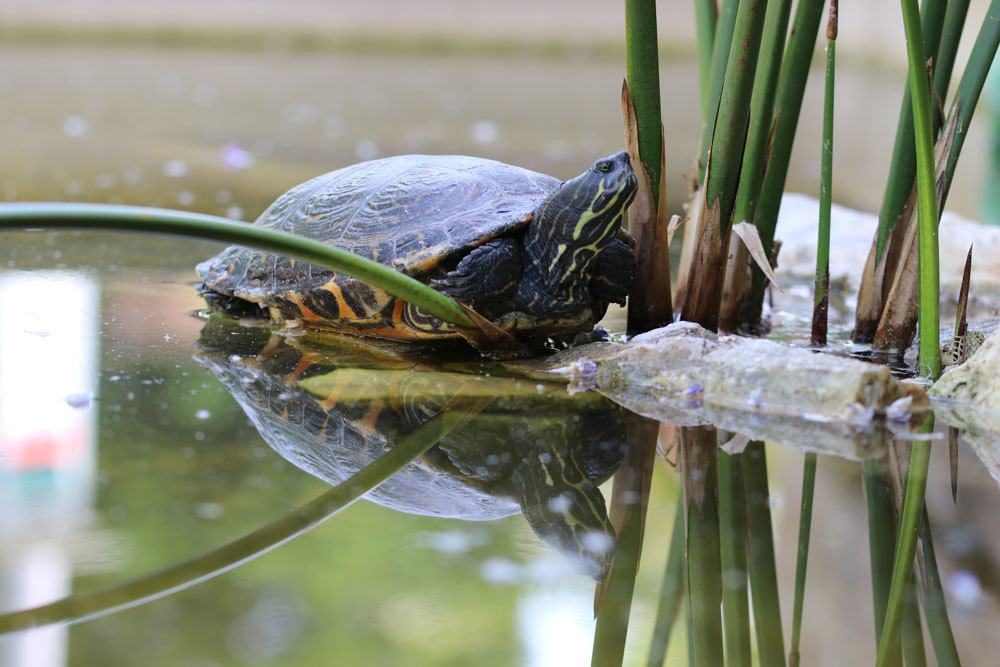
(531,450)
(535,256)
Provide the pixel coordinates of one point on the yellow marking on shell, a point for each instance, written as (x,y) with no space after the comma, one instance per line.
(344,311)
(307,313)
(305,362)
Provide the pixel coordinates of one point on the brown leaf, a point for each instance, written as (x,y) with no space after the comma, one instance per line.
(898,324)
(751,239)
(675,222)
(961,315)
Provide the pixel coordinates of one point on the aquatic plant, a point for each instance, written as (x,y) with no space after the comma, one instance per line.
(213,228)
(93,604)
(821,287)
(649,307)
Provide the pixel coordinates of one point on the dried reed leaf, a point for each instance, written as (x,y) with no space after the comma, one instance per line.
(675,222)
(898,323)
(751,239)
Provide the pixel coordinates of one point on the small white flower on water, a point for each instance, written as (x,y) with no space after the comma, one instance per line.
(236,158)
(485,132)
(203,414)
(175,168)
(366,150)
(234,212)
(74,126)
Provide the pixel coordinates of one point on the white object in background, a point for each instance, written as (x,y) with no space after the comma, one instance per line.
(49,331)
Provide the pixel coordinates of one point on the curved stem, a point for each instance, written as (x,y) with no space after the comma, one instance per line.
(86,606)
(213,228)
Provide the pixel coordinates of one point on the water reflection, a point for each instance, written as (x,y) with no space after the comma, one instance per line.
(531,449)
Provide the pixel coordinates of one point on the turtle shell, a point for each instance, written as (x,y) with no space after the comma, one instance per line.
(410,212)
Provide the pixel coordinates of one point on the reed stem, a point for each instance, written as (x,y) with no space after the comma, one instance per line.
(733,549)
(642,70)
(802,561)
(195,225)
(705,17)
(791,88)
(821,289)
(671,592)
(927,206)
(906,544)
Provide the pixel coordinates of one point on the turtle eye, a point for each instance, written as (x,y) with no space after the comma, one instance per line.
(604,166)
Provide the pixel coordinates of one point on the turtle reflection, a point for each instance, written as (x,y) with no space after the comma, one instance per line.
(524,447)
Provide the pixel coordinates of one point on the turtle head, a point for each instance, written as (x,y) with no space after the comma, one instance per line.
(579,219)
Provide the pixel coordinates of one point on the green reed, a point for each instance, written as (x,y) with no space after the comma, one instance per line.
(788,104)
(821,288)
(802,560)
(761,563)
(927,207)
(733,552)
(209,227)
(671,592)
(93,604)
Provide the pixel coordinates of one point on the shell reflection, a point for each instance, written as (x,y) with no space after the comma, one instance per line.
(524,446)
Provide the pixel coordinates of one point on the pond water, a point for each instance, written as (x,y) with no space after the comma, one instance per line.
(136,433)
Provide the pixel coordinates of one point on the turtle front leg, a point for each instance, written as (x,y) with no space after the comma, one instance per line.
(613,272)
(487,275)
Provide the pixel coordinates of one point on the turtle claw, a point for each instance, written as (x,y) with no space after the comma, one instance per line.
(484,275)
